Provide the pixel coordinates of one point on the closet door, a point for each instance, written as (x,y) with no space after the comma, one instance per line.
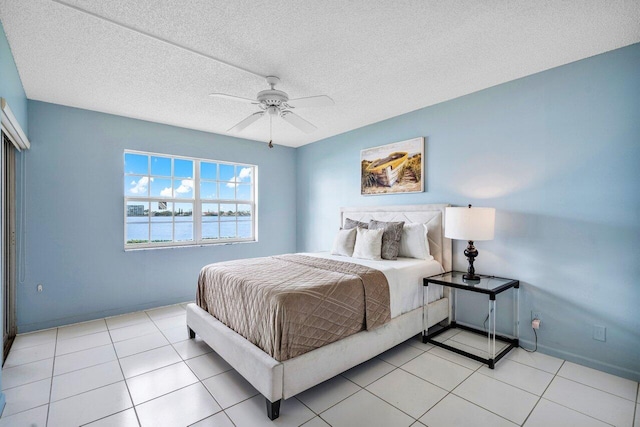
(8,244)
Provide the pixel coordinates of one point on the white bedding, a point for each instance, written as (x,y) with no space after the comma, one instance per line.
(404,276)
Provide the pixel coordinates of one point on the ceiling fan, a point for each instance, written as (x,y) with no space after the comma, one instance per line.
(276,103)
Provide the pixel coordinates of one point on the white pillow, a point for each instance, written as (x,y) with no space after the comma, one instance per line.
(414,242)
(368,244)
(344,242)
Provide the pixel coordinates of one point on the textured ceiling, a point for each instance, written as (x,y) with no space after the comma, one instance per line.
(376,59)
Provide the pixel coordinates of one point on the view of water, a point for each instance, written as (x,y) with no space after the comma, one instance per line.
(213,227)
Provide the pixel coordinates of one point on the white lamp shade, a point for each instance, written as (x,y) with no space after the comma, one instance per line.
(469,223)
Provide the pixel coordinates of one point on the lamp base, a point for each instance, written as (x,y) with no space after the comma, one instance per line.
(471,278)
(471,253)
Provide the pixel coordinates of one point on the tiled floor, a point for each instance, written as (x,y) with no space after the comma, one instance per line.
(141,369)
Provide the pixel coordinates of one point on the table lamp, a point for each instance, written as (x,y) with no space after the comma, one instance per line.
(470,224)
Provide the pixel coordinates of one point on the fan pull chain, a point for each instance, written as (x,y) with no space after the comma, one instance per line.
(270,131)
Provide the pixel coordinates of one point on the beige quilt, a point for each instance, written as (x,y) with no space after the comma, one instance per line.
(290,304)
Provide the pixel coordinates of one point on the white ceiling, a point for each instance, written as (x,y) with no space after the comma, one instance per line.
(376,59)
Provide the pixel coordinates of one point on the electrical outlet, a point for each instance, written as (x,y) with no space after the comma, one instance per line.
(599,333)
(535,315)
(39,288)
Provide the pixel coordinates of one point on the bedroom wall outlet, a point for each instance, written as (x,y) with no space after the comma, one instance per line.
(535,315)
(39,287)
(599,333)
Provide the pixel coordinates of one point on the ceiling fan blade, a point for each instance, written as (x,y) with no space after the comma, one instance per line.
(298,122)
(233,98)
(246,122)
(311,101)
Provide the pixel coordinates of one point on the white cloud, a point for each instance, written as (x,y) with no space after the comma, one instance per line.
(186,185)
(140,186)
(166,192)
(244,173)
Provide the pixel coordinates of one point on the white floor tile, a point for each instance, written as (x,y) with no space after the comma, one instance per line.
(168,311)
(30,354)
(400,354)
(447,334)
(182,407)
(208,365)
(316,422)
(148,361)
(140,344)
(253,413)
(84,342)
(36,417)
(454,411)
(325,395)
(549,414)
(177,334)
(84,359)
(590,401)
(218,420)
(637,421)
(26,396)
(133,331)
(407,392)
(126,418)
(535,360)
(127,320)
(81,329)
(476,341)
(522,376)
(500,398)
(192,348)
(90,406)
(229,388)
(602,381)
(34,338)
(27,373)
(76,382)
(417,343)
(455,358)
(438,371)
(160,382)
(363,409)
(368,372)
(172,322)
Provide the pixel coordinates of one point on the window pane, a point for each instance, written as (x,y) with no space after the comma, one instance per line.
(184,231)
(244,212)
(243,192)
(136,163)
(137,211)
(208,190)
(228,209)
(183,168)
(183,212)
(227,172)
(210,230)
(244,229)
(161,211)
(183,188)
(244,173)
(227,190)
(161,231)
(227,227)
(209,212)
(208,170)
(137,232)
(137,186)
(161,187)
(161,166)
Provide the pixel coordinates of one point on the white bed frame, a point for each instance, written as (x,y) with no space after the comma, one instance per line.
(281,380)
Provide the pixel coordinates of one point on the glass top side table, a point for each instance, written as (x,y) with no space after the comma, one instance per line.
(490,285)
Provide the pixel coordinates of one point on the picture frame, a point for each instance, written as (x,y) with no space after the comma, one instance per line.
(395,168)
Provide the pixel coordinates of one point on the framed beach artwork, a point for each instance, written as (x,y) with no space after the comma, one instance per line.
(393,168)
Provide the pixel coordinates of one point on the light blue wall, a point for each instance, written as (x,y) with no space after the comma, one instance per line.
(74,201)
(558,155)
(11,89)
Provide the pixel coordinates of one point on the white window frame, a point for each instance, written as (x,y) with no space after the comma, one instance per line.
(196,201)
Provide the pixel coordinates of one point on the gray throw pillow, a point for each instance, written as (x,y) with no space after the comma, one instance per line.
(390,237)
(352,223)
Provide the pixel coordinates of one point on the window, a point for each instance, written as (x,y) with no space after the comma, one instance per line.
(174,201)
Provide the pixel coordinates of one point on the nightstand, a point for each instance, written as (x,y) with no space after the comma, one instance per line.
(489,285)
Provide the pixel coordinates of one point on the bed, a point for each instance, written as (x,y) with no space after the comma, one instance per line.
(281,379)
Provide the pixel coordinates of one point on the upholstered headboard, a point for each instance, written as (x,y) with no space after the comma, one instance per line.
(432,215)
